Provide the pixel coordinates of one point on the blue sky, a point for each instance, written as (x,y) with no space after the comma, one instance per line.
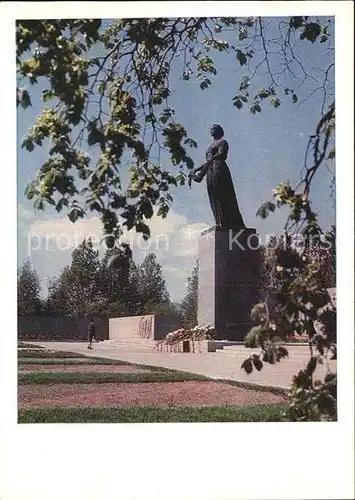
(265,149)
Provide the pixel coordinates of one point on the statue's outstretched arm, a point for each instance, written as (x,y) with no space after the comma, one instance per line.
(198,174)
(202,167)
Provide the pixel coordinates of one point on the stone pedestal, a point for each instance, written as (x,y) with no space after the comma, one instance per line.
(229,274)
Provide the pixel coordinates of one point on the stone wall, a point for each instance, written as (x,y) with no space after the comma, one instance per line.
(59,329)
(131,327)
(164,325)
(150,327)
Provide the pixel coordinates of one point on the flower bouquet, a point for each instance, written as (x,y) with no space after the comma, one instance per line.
(198,333)
(177,336)
(195,334)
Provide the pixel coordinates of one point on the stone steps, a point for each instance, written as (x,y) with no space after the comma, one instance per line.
(129,344)
(293,350)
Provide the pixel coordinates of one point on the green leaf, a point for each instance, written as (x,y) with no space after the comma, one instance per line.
(30,191)
(205,83)
(95,136)
(156,99)
(149,118)
(163,211)
(238,104)
(257,362)
(164,119)
(265,208)
(38,204)
(118,200)
(144,229)
(247,366)
(59,205)
(189,162)
(282,352)
(241,57)
(75,214)
(47,95)
(255,109)
(269,355)
(296,22)
(294,98)
(60,182)
(263,93)
(147,209)
(191,143)
(50,200)
(275,101)
(331,154)
(129,223)
(25,99)
(311,32)
(95,206)
(28,144)
(243,33)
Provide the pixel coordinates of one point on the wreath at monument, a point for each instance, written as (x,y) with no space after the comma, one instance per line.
(195,334)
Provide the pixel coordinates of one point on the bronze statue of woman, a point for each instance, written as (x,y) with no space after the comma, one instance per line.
(220,187)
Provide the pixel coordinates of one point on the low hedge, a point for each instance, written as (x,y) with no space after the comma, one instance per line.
(103,378)
(93,361)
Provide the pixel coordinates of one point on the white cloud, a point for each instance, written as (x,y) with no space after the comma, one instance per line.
(168,225)
(170,237)
(186,242)
(59,232)
(62,234)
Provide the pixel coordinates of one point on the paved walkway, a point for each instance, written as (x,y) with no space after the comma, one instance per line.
(217,365)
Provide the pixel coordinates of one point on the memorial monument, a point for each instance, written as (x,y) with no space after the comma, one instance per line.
(229,260)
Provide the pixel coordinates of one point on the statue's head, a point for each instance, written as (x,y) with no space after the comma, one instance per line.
(217,131)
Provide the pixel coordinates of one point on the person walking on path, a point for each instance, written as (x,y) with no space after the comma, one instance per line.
(91,332)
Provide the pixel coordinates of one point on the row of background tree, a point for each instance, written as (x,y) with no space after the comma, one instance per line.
(89,285)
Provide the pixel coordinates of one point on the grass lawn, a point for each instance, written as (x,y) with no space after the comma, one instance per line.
(131,414)
(71,378)
(146,414)
(102,378)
